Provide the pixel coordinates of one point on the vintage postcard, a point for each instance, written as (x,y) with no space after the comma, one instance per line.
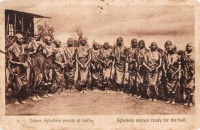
(99,64)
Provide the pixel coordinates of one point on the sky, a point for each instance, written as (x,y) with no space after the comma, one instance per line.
(105,20)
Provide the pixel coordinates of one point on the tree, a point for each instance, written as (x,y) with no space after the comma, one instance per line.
(45,30)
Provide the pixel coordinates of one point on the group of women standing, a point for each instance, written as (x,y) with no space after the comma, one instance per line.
(143,73)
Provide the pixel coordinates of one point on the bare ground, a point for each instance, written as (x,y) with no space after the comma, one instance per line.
(95,104)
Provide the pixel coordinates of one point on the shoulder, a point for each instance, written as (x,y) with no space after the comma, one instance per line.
(10,48)
(89,49)
(165,57)
(114,47)
(56,50)
(79,48)
(43,44)
(126,48)
(25,45)
(159,53)
(160,50)
(147,53)
(147,50)
(13,47)
(101,50)
(111,49)
(129,50)
(62,49)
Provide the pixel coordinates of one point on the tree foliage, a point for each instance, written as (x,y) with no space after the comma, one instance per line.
(45,30)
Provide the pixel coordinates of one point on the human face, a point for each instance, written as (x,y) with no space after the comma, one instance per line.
(20,40)
(48,41)
(141,44)
(153,46)
(106,46)
(189,48)
(96,46)
(134,44)
(119,41)
(126,52)
(167,44)
(171,49)
(167,47)
(59,44)
(83,42)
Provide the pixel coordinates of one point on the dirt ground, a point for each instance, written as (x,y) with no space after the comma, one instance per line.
(95,104)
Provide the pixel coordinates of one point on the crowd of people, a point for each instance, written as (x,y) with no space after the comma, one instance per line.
(41,67)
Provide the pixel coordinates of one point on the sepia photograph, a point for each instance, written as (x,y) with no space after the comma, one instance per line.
(101,57)
(105,59)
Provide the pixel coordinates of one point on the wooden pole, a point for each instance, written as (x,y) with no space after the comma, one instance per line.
(7,29)
(15,24)
(22,25)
